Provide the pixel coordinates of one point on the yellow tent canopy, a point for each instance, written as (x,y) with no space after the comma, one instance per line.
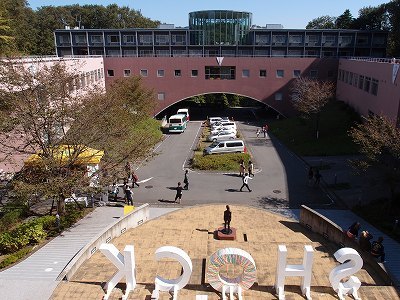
(87,156)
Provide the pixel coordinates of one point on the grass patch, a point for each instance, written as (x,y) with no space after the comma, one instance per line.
(299,134)
(219,162)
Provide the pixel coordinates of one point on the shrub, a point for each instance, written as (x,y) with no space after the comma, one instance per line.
(221,162)
(12,258)
(10,219)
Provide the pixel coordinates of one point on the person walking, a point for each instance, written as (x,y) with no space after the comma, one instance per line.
(310,175)
(250,168)
(317,177)
(258,132)
(128,194)
(241,168)
(245,182)
(186,180)
(179,193)
(114,191)
(135,179)
(128,170)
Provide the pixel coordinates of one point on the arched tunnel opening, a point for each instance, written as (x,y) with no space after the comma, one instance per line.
(234,106)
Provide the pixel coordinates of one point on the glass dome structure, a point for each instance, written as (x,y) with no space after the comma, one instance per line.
(219,27)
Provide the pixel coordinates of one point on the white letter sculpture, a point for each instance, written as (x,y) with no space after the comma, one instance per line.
(353,265)
(178,283)
(126,267)
(226,285)
(304,270)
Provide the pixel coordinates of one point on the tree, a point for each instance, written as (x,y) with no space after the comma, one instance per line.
(40,113)
(372,18)
(309,96)
(6,40)
(345,20)
(393,14)
(379,142)
(323,22)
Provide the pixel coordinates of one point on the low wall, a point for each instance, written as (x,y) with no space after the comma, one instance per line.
(131,220)
(318,223)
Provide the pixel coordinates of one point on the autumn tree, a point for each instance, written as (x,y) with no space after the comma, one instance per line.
(40,112)
(379,142)
(309,96)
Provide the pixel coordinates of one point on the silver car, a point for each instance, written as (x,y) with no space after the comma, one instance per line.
(222,135)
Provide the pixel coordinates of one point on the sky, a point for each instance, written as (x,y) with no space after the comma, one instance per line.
(292,14)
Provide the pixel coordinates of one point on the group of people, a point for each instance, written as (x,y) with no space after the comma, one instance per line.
(314,176)
(376,248)
(246,175)
(263,129)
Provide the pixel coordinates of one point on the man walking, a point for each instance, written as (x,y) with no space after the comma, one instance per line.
(186,180)
(250,168)
(128,193)
(179,192)
(135,179)
(245,182)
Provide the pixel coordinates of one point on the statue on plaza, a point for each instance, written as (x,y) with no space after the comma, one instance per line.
(227,220)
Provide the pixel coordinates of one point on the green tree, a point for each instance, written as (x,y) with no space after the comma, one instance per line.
(6,40)
(345,20)
(372,18)
(323,22)
(393,14)
(40,114)
(235,100)
(379,141)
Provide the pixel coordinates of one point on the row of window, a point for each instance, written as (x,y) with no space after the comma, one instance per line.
(365,83)
(221,73)
(260,39)
(277,96)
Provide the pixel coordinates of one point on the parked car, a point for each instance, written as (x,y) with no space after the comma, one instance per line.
(228,125)
(221,122)
(222,135)
(231,146)
(213,120)
(219,129)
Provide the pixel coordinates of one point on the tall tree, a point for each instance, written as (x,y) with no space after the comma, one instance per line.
(345,20)
(372,18)
(323,22)
(379,141)
(309,96)
(40,113)
(393,14)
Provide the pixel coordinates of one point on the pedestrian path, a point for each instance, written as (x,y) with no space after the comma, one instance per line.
(35,277)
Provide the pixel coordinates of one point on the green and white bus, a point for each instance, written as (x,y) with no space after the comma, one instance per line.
(177,123)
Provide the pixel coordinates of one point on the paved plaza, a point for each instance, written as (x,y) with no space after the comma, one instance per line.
(259,232)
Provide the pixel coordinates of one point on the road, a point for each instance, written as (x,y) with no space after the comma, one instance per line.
(280,180)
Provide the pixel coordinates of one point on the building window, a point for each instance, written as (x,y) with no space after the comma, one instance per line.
(361,82)
(178,73)
(161,96)
(145,39)
(110,73)
(246,73)
(178,39)
(162,39)
(350,81)
(367,84)
(160,73)
(80,39)
(96,39)
(280,73)
(129,39)
(143,72)
(263,73)
(374,87)
(195,73)
(278,96)
(296,73)
(355,79)
(113,39)
(127,73)
(313,73)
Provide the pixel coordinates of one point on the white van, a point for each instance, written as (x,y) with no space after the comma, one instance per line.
(212,120)
(232,146)
(184,111)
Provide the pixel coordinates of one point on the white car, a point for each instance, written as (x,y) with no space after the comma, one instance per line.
(221,122)
(221,136)
(219,129)
(226,125)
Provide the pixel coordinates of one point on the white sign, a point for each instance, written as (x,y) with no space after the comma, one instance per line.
(351,262)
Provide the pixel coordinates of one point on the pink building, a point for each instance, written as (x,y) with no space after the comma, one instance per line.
(370,86)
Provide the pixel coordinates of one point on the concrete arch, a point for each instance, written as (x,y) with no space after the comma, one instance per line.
(231,93)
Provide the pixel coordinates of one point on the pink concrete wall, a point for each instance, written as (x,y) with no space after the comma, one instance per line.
(256,87)
(386,102)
